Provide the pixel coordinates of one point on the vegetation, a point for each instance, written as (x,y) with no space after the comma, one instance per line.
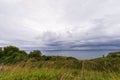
(114,54)
(16,64)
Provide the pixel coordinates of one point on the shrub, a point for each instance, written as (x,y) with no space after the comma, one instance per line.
(114,54)
(1,52)
(35,54)
(10,49)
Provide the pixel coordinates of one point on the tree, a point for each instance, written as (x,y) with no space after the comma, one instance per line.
(12,54)
(10,49)
(35,54)
(1,52)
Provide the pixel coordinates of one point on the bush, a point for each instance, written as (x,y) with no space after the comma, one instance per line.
(46,58)
(10,50)
(1,52)
(35,54)
(114,54)
(11,54)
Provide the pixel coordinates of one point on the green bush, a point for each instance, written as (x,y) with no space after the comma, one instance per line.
(1,52)
(46,58)
(8,50)
(12,54)
(35,54)
(114,54)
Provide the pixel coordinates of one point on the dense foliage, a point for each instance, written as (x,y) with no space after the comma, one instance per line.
(12,55)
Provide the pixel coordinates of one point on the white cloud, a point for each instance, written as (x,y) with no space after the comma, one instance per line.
(40,22)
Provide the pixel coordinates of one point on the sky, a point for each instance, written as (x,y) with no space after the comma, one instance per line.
(60,24)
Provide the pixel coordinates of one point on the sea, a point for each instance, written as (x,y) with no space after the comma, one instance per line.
(79,54)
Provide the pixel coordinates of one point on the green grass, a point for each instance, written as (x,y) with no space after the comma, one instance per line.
(16,72)
(63,69)
(16,64)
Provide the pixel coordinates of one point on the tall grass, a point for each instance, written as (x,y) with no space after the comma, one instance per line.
(18,72)
(16,64)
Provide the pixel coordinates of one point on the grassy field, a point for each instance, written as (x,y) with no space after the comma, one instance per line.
(23,73)
(86,72)
(16,64)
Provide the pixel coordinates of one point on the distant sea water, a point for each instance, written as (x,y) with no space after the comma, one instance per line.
(88,54)
(79,54)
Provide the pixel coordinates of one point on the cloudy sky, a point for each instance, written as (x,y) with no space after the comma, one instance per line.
(60,24)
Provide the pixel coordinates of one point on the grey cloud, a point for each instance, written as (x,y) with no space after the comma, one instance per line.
(60,24)
(77,45)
